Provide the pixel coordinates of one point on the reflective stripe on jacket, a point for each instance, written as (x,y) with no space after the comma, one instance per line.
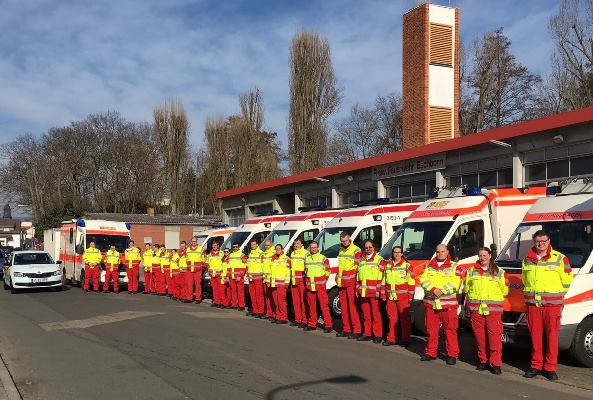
(398,281)
(369,276)
(546,280)
(348,259)
(297,262)
(316,271)
(446,278)
(485,292)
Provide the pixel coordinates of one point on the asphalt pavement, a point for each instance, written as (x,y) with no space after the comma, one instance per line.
(73,345)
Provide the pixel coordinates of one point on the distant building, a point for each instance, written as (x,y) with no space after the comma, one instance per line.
(163,229)
(10,232)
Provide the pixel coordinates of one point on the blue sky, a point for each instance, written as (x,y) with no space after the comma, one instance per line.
(61,60)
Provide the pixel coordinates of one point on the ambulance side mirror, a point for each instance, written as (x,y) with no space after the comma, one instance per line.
(494,250)
(79,249)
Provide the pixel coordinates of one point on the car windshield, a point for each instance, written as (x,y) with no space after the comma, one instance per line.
(574,239)
(102,242)
(238,237)
(32,258)
(329,240)
(279,237)
(418,239)
(201,238)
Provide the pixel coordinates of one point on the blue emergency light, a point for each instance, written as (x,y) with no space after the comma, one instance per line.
(128,226)
(552,190)
(474,191)
(81,223)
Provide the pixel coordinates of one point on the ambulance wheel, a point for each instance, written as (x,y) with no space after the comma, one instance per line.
(334,303)
(581,348)
(79,283)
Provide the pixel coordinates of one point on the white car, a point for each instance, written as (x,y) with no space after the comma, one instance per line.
(32,269)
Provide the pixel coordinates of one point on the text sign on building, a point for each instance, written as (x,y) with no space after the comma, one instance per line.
(417,165)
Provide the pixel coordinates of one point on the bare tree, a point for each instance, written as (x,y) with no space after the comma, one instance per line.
(570,85)
(500,90)
(314,96)
(367,132)
(172,129)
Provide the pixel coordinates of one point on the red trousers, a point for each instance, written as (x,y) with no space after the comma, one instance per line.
(350,318)
(217,289)
(193,282)
(170,283)
(132,278)
(178,284)
(237,288)
(111,275)
(312,297)
(371,315)
(433,320)
(148,282)
(256,294)
(185,292)
(488,332)
(544,322)
(279,302)
(398,312)
(268,299)
(91,273)
(159,278)
(226,293)
(297,292)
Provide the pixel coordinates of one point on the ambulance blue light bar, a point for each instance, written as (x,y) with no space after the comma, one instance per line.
(81,223)
(474,191)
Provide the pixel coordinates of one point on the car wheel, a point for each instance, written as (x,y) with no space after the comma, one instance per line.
(418,312)
(79,283)
(12,288)
(59,288)
(6,287)
(581,348)
(334,302)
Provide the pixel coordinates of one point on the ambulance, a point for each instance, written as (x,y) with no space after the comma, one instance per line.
(464,219)
(216,234)
(74,236)
(376,220)
(567,216)
(258,227)
(305,225)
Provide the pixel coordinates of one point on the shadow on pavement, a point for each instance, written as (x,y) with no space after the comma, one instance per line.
(346,379)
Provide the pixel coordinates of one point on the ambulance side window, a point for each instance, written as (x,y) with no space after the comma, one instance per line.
(308,236)
(373,233)
(468,238)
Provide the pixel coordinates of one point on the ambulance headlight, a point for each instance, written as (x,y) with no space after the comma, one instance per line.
(377,217)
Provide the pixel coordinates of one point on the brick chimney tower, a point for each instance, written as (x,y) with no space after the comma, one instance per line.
(430,75)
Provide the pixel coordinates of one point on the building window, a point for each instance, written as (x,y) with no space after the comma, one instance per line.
(544,171)
(417,191)
(484,179)
(236,216)
(261,208)
(314,201)
(349,198)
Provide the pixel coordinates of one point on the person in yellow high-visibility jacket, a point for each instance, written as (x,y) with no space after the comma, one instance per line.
(92,261)
(165,259)
(279,281)
(486,286)
(195,263)
(297,283)
(317,271)
(255,275)
(174,292)
(147,260)
(214,266)
(132,259)
(112,262)
(267,266)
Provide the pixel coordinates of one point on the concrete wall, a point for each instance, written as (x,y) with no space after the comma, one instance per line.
(156,233)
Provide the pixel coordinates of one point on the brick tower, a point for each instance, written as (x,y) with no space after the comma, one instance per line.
(430,74)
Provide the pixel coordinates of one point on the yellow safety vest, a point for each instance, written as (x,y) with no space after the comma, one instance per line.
(297,263)
(397,280)
(280,271)
(214,262)
(316,271)
(195,257)
(546,281)
(236,264)
(174,265)
(165,258)
(92,256)
(254,264)
(267,264)
(485,292)
(147,259)
(183,262)
(446,280)
(347,265)
(112,259)
(132,257)
(369,276)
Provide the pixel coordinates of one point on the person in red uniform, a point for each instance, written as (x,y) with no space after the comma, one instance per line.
(147,257)
(279,281)
(225,279)
(547,276)
(348,259)
(238,266)
(214,265)
(132,259)
(441,281)
(369,280)
(195,264)
(185,294)
(398,291)
(317,271)
(157,275)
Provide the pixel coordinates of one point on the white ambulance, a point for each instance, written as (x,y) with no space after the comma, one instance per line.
(74,236)
(464,219)
(365,222)
(305,225)
(258,227)
(568,218)
(209,236)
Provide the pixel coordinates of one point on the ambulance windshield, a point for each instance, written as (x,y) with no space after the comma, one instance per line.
(329,240)
(102,242)
(574,239)
(418,239)
(280,236)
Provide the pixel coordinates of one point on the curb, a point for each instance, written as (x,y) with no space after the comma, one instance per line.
(11,391)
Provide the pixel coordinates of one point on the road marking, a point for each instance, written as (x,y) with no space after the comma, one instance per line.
(98,320)
(214,315)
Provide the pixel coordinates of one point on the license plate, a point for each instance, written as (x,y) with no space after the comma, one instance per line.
(506,338)
(37,280)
